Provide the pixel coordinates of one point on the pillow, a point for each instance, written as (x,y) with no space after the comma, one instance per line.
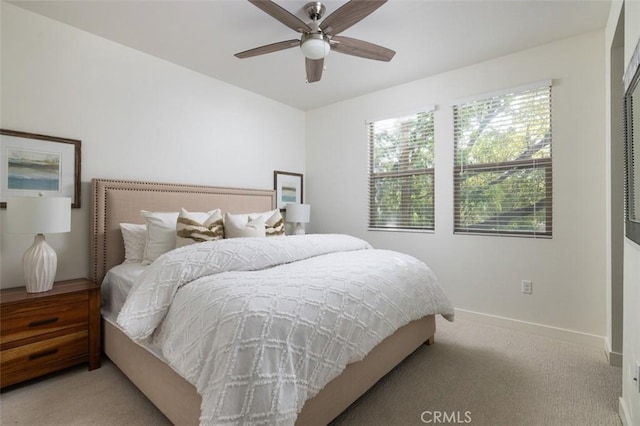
(273,222)
(134,236)
(190,229)
(239,226)
(161,232)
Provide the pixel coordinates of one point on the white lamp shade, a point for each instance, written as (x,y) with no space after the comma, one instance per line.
(38,215)
(315,47)
(298,213)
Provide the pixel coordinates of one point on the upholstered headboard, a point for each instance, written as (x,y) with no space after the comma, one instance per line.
(119,201)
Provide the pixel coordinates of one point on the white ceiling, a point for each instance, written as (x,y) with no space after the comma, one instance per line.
(429,36)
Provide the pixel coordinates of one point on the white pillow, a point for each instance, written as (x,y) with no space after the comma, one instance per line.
(135,237)
(190,229)
(161,234)
(273,222)
(239,226)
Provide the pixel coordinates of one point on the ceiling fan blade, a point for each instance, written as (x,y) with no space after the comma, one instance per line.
(282,15)
(360,48)
(269,48)
(349,14)
(314,69)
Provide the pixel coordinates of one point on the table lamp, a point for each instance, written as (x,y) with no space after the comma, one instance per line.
(39,215)
(298,214)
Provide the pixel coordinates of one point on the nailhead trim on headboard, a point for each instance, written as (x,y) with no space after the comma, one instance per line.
(101,188)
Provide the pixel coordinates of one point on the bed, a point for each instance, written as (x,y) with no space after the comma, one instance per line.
(117,201)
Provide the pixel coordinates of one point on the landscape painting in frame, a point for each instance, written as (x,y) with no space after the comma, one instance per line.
(288,188)
(31,164)
(33,170)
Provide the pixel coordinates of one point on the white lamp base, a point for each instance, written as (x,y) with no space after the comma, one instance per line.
(298,229)
(39,265)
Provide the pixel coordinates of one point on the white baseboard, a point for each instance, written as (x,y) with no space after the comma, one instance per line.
(566,335)
(615,359)
(622,412)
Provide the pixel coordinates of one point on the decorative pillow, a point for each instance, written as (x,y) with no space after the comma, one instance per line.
(239,226)
(273,222)
(161,232)
(134,236)
(190,229)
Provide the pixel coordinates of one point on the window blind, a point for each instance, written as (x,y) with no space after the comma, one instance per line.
(502,164)
(401,172)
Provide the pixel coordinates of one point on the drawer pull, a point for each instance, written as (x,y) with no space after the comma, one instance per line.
(43,354)
(43,322)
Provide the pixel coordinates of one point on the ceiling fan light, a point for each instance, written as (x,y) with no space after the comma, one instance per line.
(315,46)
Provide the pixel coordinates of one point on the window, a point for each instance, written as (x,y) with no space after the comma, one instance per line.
(502,164)
(401,172)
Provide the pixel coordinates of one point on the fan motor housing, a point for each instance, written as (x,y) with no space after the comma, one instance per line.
(314,10)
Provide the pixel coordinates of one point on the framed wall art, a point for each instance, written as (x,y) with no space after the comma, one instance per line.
(32,163)
(288,188)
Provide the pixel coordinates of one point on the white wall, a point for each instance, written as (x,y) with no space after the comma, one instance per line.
(138,117)
(483,274)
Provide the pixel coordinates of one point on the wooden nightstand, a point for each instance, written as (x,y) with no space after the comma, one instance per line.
(45,332)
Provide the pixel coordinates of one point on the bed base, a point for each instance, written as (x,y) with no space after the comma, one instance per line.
(182,405)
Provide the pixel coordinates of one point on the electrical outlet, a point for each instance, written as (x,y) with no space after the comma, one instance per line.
(527,287)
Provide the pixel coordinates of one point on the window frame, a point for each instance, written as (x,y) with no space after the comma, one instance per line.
(526,164)
(374,177)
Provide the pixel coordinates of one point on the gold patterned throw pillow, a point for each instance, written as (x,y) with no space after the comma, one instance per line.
(190,229)
(274,224)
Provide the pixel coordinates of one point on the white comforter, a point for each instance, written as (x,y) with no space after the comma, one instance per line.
(260,325)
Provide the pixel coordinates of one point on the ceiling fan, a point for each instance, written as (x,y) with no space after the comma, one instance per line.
(319,37)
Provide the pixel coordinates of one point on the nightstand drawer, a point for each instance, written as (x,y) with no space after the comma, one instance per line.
(42,316)
(28,361)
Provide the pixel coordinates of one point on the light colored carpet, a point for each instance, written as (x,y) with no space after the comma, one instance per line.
(474,374)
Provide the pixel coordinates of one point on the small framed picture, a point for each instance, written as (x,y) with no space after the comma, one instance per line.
(32,163)
(288,188)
